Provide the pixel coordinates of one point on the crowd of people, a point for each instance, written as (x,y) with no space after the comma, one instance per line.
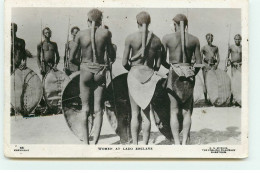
(91,52)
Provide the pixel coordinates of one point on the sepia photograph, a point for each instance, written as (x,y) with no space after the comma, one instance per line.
(126,81)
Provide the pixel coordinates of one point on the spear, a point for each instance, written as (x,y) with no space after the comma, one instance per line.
(13,48)
(184,58)
(112,83)
(143,38)
(226,64)
(111,78)
(187,25)
(66,63)
(42,54)
(187,19)
(14,69)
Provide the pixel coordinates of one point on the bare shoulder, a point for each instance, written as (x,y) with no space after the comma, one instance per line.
(166,37)
(131,36)
(232,46)
(193,39)
(54,43)
(20,40)
(156,40)
(107,33)
(80,33)
(104,31)
(83,32)
(39,44)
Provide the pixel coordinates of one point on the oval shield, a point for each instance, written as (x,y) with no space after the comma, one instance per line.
(26,90)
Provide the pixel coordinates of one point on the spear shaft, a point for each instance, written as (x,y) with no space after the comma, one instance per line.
(66,63)
(42,55)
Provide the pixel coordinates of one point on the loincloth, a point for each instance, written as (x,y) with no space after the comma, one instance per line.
(142,82)
(210,61)
(99,72)
(95,68)
(73,68)
(209,66)
(46,68)
(181,81)
(236,65)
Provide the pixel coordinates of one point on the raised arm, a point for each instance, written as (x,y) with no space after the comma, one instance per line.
(126,54)
(164,53)
(197,55)
(74,49)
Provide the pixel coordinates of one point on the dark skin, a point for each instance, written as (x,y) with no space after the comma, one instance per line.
(87,79)
(211,53)
(236,53)
(50,51)
(133,44)
(172,44)
(69,45)
(103,39)
(19,48)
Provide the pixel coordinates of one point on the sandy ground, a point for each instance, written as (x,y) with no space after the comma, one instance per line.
(209,126)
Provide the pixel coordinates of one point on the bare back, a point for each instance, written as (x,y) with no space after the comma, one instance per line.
(102,37)
(172,42)
(152,50)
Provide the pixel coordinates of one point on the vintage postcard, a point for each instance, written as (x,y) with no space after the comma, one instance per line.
(126,79)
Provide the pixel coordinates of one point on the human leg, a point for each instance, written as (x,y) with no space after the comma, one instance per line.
(174,123)
(232,70)
(98,105)
(187,112)
(98,112)
(135,110)
(85,82)
(146,124)
(204,71)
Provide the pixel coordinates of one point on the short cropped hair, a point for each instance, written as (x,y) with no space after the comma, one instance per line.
(143,18)
(75,27)
(15,26)
(180,17)
(95,15)
(47,28)
(209,34)
(238,35)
